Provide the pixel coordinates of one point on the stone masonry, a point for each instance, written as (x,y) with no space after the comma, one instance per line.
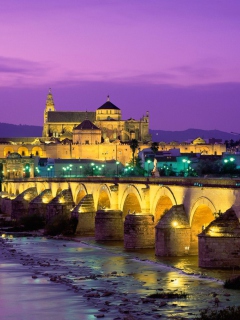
(139,231)
(173,233)
(109,225)
(219,243)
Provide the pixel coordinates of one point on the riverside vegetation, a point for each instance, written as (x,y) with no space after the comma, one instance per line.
(59,224)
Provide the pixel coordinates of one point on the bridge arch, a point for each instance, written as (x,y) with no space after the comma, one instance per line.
(201,214)
(104,197)
(58,187)
(163,200)
(11,189)
(131,200)
(41,186)
(202,201)
(79,193)
(31,185)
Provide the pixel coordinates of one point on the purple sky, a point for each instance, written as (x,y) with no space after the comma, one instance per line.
(177,59)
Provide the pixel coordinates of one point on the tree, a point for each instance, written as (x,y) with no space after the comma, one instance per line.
(133,145)
(208,167)
(154,147)
(135,170)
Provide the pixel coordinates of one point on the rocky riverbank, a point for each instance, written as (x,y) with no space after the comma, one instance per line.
(111,284)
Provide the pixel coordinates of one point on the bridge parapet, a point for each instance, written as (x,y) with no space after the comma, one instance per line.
(177,181)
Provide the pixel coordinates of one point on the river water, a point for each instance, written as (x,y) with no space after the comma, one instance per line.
(44,278)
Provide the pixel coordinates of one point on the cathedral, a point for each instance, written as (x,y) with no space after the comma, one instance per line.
(103,125)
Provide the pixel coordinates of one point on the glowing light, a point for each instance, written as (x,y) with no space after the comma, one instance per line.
(45,200)
(61,200)
(174,224)
(3,235)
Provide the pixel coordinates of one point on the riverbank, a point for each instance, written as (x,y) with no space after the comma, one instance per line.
(80,279)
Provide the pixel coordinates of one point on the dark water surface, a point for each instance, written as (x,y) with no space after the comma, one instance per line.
(44,278)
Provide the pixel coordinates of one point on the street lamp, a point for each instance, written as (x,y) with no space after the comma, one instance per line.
(103,166)
(50,172)
(188,162)
(184,161)
(92,164)
(117,163)
(149,161)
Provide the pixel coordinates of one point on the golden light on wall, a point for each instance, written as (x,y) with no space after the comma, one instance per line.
(174,224)
(26,197)
(45,200)
(61,200)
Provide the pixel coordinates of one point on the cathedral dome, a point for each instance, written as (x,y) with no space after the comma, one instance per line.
(108,111)
(86,133)
(86,125)
(108,105)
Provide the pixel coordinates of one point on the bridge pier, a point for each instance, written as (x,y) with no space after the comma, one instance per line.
(61,204)
(39,204)
(85,213)
(6,206)
(20,204)
(109,225)
(173,233)
(139,231)
(219,243)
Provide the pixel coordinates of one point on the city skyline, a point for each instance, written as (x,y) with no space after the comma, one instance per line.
(177,60)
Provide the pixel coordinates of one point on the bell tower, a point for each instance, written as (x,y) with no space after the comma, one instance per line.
(49,105)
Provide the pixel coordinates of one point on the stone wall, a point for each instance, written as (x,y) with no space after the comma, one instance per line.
(20,204)
(173,233)
(39,204)
(219,252)
(6,206)
(219,243)
(86,224)
(172,241)
(85,213)
(61,204)
(109,225)
(139,231)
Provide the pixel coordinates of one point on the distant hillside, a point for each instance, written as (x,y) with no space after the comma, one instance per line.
(191,134)
(13,130)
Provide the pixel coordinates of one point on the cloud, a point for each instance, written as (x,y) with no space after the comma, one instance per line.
(199,72)
(184,75)
(21,66)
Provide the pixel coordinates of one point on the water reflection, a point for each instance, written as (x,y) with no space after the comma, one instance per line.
(94,267)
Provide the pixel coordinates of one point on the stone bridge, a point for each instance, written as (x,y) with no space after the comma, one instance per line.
(201,198)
